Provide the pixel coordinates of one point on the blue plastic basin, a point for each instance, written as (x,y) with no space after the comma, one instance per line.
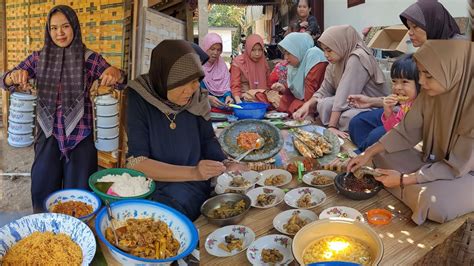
(251,110)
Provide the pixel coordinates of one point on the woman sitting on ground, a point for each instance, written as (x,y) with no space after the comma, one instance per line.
(437,182)
(352,70)
(170,135)
(249,72)
(306,67)
(217,77)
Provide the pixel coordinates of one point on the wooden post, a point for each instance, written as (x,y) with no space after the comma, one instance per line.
(189,22)
(3,64)
(203,19)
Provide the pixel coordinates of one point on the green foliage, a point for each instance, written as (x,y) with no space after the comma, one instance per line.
(228,16)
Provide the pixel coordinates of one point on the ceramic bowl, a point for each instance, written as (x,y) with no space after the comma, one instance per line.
(221,190)
(280,242)
(340,185)
(318,197)
(274,191)
(74,195)
(216,202)
(276,115)
(218,236)
(283,217)
(308,177)
(79,232)
(273,172)
(341,212)
(183,229)
(334,227)
(226,178)
(20,140)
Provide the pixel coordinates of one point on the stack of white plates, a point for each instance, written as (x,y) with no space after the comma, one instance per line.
(21,121)
(107,123)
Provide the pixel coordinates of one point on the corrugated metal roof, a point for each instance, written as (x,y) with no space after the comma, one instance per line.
(244,2)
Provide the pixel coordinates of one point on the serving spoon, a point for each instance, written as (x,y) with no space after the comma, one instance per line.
(111,220)
(258,145)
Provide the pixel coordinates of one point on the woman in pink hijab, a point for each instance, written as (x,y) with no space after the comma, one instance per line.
(217,77)
(250,71)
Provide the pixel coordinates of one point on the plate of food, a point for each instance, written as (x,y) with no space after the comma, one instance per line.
(271,250)
(296,123)
(266,197)
(229,240)
(243,134)
(218,117)
(290,222)
(274,177)
(238,180)
(319,178)
(276,115)
(221,189)
(305,198)
(309,142)
(342,212)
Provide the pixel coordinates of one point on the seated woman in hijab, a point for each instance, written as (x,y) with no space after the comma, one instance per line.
(249,72)
(217,76)
(64,71)
(306,67)
(352,70)
(429,20)
(437,182)
(170,135)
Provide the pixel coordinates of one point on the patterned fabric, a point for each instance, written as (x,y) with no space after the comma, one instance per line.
(95,66)
(65,66)
(396,117)
(279,73)
(186,66)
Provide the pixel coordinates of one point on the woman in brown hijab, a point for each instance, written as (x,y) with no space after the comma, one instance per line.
(440,180)
(352,70)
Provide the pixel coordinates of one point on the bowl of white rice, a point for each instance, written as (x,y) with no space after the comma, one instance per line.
(116,184)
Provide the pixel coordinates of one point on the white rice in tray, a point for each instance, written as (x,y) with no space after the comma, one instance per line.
(126,185)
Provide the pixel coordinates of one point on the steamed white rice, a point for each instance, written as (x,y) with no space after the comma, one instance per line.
(126,185)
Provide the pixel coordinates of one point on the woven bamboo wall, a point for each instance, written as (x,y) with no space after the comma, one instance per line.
(102,26)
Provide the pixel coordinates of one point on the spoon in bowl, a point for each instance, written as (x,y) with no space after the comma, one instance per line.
(258,145)
(111,220)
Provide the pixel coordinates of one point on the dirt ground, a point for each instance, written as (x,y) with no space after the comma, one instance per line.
(15,195)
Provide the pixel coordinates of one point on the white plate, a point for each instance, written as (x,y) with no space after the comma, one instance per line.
(218,236)
(268,173)
(342,212)
(282,218)
(280,242)
(277,192)
(276,115)
(308,177)
(225,179)
(221,190)
(317,196)
(296,123)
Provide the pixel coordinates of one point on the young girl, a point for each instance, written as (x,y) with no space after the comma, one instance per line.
(64,70)
(368,127)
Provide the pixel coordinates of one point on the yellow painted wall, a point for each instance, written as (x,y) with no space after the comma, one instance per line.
(102,26)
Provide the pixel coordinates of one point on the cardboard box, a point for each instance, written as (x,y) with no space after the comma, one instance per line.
(391,40)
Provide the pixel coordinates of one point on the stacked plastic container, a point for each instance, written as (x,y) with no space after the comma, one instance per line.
(106,123)
(21,120)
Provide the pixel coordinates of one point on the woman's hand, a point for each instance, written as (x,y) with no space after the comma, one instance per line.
(215,102)
(207,169)
(238,100)
(358,161)
(302,112)
(278,87)
(339,133)
(359,101)
(389,103)
(229,100)
(304,24)
(389,178)
(110,76)
(17,77)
